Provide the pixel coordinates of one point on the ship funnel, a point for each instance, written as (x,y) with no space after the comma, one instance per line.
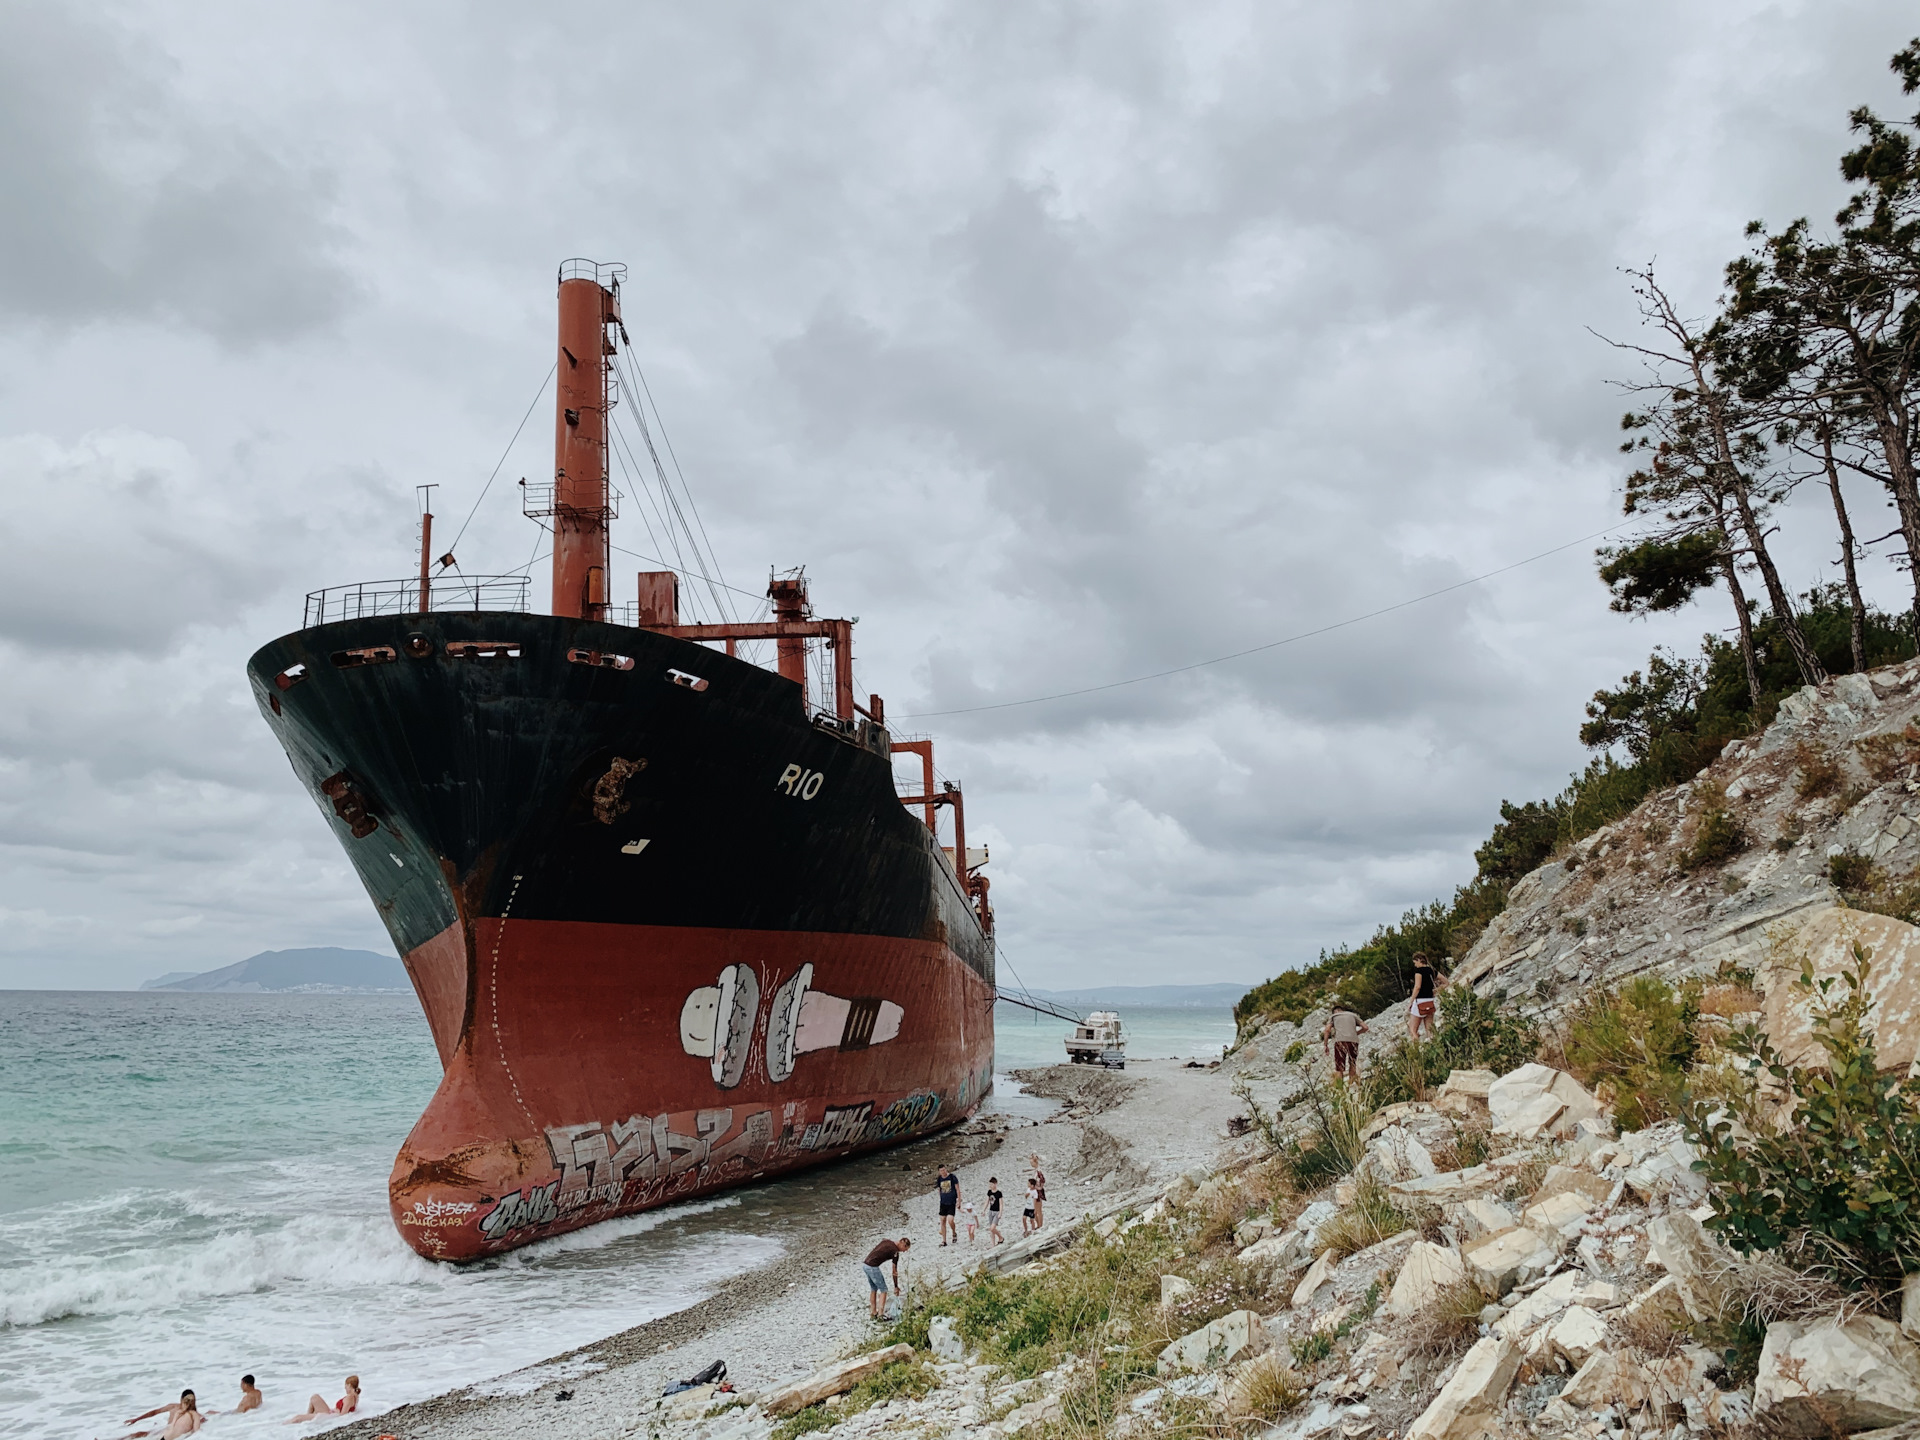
(579,503)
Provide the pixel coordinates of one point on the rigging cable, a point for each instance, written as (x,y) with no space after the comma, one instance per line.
(667,440)
(503,458)
(1269,645)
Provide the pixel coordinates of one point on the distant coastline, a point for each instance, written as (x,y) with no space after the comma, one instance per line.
(324,970)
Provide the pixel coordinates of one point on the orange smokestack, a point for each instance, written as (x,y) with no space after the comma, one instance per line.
(589,313)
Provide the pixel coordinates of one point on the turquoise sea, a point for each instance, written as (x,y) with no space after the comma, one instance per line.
(194,1186)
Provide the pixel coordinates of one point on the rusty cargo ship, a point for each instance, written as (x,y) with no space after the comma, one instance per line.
(673,925)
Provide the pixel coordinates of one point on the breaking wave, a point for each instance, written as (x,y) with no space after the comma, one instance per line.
(160,1263)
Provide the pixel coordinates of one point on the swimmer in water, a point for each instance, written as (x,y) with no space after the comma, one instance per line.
(250,1396)
(317,1407)
(183,1418)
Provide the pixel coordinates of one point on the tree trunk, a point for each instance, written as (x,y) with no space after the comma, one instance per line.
(1746,625)
(1812,672)
(1857,622)
(1892,423)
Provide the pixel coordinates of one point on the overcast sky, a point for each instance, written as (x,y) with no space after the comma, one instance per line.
(1061,343)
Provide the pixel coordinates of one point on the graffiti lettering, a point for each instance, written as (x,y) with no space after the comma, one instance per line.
(439,1214)
(532,1206)
(906,1114)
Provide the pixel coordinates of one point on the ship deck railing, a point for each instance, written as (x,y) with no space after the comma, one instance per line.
(470,593)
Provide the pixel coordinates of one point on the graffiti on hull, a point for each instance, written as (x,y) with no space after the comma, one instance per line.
(647,1160)
(719,1022)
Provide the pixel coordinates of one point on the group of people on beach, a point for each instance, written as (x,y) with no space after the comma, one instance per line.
(185,1417)
(953,1212)
(1344,1028)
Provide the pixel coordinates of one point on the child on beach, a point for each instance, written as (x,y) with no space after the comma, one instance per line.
(993,1210)
(973,1221)
(1027,1227)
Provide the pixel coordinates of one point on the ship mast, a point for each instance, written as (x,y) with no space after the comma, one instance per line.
(580,507)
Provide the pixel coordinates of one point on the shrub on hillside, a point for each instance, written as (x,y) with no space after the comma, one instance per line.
(1717,839)
(1834,1185)
(1475,1032)
(1634,1046)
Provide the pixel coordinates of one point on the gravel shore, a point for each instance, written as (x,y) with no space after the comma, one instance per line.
(1111,1132)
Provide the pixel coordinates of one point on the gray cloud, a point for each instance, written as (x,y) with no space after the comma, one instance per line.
(126,200)
(1062,343)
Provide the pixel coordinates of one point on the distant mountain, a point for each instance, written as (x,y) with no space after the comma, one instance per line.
(168,979)
(1118,997)
(323,969)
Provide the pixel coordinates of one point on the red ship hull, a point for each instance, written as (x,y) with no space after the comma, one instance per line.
(571,1095)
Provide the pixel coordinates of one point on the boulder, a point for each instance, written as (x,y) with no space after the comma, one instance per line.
(1572,1180)
(943,1338)
(1478,1216)
(1660,1301)
(1283,1252)
(834,1380)
(1427,1270)
(1172,1287)
(1448,1185)
(1396,1154)
(1559,1215)
(1825,941)
(1317,1275)
(1821,1376)
(1468,1405)
(1576,1336)
(1315,1215)
(1567,1288)
(1532,1117)
(690,1404)
(1697,1265)
(1252,1231)
(1610,1377)
(1512,1257)
(1226,1341)
(1469,1084)
(1910,1305)
(1668,1169)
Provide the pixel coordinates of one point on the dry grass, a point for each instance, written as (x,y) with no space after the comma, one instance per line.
(1819,772)
(1886,756)
(1760,1290)
(1728,1000)
(1447,1326)
(1217,1216)
(1527,1178)
(1654,1331)
(1266,1389)
(1371,1218)
(1470,1146)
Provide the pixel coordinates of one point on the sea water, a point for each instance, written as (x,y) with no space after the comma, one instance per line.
(193,1187)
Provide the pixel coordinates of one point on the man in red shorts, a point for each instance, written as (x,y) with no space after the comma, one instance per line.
(1344,1029)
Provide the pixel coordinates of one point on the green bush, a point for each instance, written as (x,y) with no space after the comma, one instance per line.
(1475,1032)
(1638,1042)
(1836,1185)
(1718,839)
(1850,870)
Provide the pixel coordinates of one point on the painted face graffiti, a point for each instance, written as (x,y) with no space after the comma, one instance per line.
(717,1023)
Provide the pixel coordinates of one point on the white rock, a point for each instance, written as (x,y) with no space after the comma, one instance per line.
(1512,1257)
(1317,1275)
(1448,1185)
(1819,1375)
(1284,1252)
(944,1339)
(1315,1215)
(1532,1117)
(1572,1180)
(1226,1341)
(1610,1377)
(1427,1270)
(1559,1215)
(1172,1287)
(833,1380)
(1469,1402)
(1567,1288)
(1910,1305)
(1697,1265)
(1576,1335)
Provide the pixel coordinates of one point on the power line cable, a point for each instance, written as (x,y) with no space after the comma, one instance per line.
(1270,645)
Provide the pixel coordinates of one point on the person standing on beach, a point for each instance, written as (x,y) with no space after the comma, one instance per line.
(1344,1029)
(1039,1192)
(250,1396)
(183,1418)
(948,1189)
(1027,1226)
(973,1222)
(1425,998)
(993,1210)
(881,1254)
